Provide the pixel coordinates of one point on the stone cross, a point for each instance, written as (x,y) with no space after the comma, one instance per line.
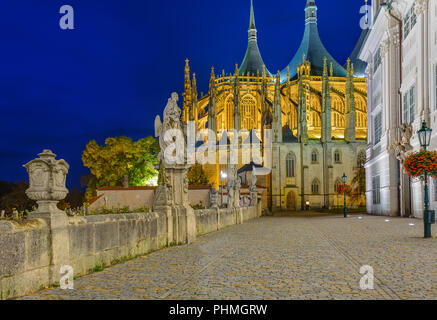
(2,214)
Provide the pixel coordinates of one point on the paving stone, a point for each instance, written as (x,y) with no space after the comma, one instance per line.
(277,258)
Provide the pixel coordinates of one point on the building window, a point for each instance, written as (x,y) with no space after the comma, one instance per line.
(248,106)
(290,164)
(409,105)
(376,186)
(314,157)
(337,156)
(409,21)
(230,112)
(315,187)
(378,127)
(377,60)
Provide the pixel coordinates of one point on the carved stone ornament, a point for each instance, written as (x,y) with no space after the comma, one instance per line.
(403,147)
(47,177)
(420,7)
(385,46)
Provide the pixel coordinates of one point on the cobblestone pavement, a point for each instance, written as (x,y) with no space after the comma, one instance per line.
(278,258)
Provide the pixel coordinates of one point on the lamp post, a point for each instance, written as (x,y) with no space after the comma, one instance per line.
(425,140)
(344,193)
(223,176)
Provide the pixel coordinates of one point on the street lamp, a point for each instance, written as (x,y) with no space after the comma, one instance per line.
(223,176)
(344,192)
(425,140)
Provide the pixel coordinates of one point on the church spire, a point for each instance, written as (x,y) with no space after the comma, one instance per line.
(187,93)
(313,48)
(311,12)
(326,104)
(350,134)
(212,110)
(253,61)
(193,113)
(252,17)
(277,111)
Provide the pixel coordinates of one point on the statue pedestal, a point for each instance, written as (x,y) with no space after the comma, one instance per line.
(47,177)
(172,198)
(57,222)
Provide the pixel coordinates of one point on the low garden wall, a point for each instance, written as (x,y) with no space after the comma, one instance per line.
(30,259)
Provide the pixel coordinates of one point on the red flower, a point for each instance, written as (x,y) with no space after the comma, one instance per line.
(419,163)
(341,189)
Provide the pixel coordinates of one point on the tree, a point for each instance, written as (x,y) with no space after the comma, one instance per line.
(74,199)
(197,176)
(118,157)
(5,188)
(17,199)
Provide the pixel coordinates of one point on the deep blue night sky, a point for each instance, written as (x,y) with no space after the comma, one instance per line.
(114,72)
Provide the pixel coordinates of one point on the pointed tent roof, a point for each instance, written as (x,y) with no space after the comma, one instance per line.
(313,48)
(252,61)
(288,136)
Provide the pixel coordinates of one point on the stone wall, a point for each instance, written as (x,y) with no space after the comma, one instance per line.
(141,197)
(26,252)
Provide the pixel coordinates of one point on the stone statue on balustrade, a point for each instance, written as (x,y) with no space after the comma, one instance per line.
(252,188)
(171,136)
(233,187)
(213,197)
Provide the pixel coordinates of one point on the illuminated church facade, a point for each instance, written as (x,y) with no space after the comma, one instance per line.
(315,107)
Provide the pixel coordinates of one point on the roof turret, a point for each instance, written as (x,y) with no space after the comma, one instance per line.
(313,48)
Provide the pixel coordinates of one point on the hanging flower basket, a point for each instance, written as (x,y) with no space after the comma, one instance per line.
(341,189)
(419,163)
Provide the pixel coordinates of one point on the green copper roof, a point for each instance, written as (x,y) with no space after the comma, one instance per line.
(252,62)
(313,48)
(359,65)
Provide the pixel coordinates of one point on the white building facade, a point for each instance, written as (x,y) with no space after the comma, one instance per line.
(401,52)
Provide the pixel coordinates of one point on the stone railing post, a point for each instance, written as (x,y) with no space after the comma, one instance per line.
(47,177)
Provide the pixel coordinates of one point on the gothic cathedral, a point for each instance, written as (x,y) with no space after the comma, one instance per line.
(316,108)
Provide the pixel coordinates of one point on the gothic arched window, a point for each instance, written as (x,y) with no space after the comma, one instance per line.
(230,112)
(314,156)
(316,119)
(248,113)
(290,165)
(315,186)
(337,156)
